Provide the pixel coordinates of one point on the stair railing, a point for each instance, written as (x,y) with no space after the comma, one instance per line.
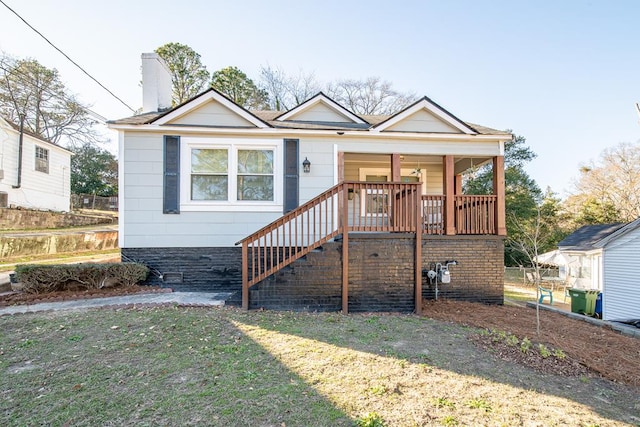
(348,206)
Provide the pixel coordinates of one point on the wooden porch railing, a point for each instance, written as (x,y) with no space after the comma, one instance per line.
(475,214)
(379,207)
(356,207)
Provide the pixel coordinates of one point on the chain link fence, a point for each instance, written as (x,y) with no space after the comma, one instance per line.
(91,201)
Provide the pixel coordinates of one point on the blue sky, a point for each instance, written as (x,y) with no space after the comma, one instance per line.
(564,74)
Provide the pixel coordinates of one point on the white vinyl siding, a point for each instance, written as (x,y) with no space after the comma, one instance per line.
(423,121)
(320,112)
(621,294)
(212,112)
(38,190)
(145,225)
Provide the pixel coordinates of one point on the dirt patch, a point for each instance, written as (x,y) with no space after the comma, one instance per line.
(22,298)
(588,347)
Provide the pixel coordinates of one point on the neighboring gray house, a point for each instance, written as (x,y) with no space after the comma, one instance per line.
(605,257)
(621,273)
(313,208)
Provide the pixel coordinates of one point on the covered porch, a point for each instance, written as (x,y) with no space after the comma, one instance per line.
(419,195)
(443,208)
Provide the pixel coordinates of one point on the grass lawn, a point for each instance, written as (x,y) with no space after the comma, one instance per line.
(226,367)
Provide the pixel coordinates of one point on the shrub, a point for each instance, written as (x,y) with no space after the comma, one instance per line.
(50,278)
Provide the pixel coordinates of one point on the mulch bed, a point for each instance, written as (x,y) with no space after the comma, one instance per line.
(599,349)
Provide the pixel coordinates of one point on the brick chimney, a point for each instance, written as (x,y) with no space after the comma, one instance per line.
(156,83)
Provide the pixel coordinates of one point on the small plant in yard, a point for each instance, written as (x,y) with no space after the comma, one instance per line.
(479,404)
(512,340)
(443,402)
(449,420)
(559,354)
(372,419)
(544,351)
(378,390)
(525,345)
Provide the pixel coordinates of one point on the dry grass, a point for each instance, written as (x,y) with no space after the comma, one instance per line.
(226,367)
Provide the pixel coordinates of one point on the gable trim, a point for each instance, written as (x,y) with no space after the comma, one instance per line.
(625,229)
(203,98)
(321,98)
(430,106)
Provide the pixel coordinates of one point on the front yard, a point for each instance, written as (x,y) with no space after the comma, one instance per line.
(226,367)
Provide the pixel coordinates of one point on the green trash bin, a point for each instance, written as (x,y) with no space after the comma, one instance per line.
(591,296)
(578,300)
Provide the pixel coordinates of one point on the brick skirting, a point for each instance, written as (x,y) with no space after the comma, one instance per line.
(381,273)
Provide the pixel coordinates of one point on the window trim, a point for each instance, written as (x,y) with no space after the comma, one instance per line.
(232,145)
(38,159)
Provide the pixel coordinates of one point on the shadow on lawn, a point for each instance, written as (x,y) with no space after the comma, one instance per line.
(408,339)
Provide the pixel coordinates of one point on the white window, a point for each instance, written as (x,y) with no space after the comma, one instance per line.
(232,175)
(42,159)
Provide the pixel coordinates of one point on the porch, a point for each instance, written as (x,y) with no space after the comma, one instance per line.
(380,207)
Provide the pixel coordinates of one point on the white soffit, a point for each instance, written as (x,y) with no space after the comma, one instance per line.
(432,109)
(206,97)
(317,102)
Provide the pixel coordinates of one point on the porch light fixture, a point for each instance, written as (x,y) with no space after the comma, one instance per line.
(306,165)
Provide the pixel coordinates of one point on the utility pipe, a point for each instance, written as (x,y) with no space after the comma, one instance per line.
(19,184)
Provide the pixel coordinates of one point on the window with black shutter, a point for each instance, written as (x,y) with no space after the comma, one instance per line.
(171,194)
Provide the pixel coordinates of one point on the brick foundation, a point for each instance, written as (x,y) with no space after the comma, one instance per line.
(381,273)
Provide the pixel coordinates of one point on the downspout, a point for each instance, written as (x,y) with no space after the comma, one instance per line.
(20,152)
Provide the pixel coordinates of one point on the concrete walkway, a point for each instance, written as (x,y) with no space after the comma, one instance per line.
(204,299)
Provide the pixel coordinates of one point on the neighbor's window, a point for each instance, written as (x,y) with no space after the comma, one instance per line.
(209,174)
(42,159)
(255,175)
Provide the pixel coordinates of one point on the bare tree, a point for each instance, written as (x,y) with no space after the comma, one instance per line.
(369,96)
(530,235)
(613,182)
(35,92)
(286,91)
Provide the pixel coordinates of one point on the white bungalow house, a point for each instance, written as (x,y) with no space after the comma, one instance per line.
(313,208)
(605,257)
(34,173)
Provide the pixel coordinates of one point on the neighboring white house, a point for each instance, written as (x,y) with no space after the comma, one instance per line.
(621,273)
(583,258)
(605,257)
(34,173)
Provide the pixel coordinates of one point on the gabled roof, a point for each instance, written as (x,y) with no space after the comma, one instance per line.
(308,116)
(200,100)
(16,128)
(587,237)
(321,99)
(625,229)
(431,107)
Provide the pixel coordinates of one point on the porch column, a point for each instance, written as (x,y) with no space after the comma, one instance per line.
(396,175)
(458,186)
(449,195)
(345,254)
(498,191)
(340,166)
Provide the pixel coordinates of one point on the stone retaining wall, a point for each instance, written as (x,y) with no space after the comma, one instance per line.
(26,219)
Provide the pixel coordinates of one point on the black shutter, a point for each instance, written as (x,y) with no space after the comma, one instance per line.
(171,202)
(291,197)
